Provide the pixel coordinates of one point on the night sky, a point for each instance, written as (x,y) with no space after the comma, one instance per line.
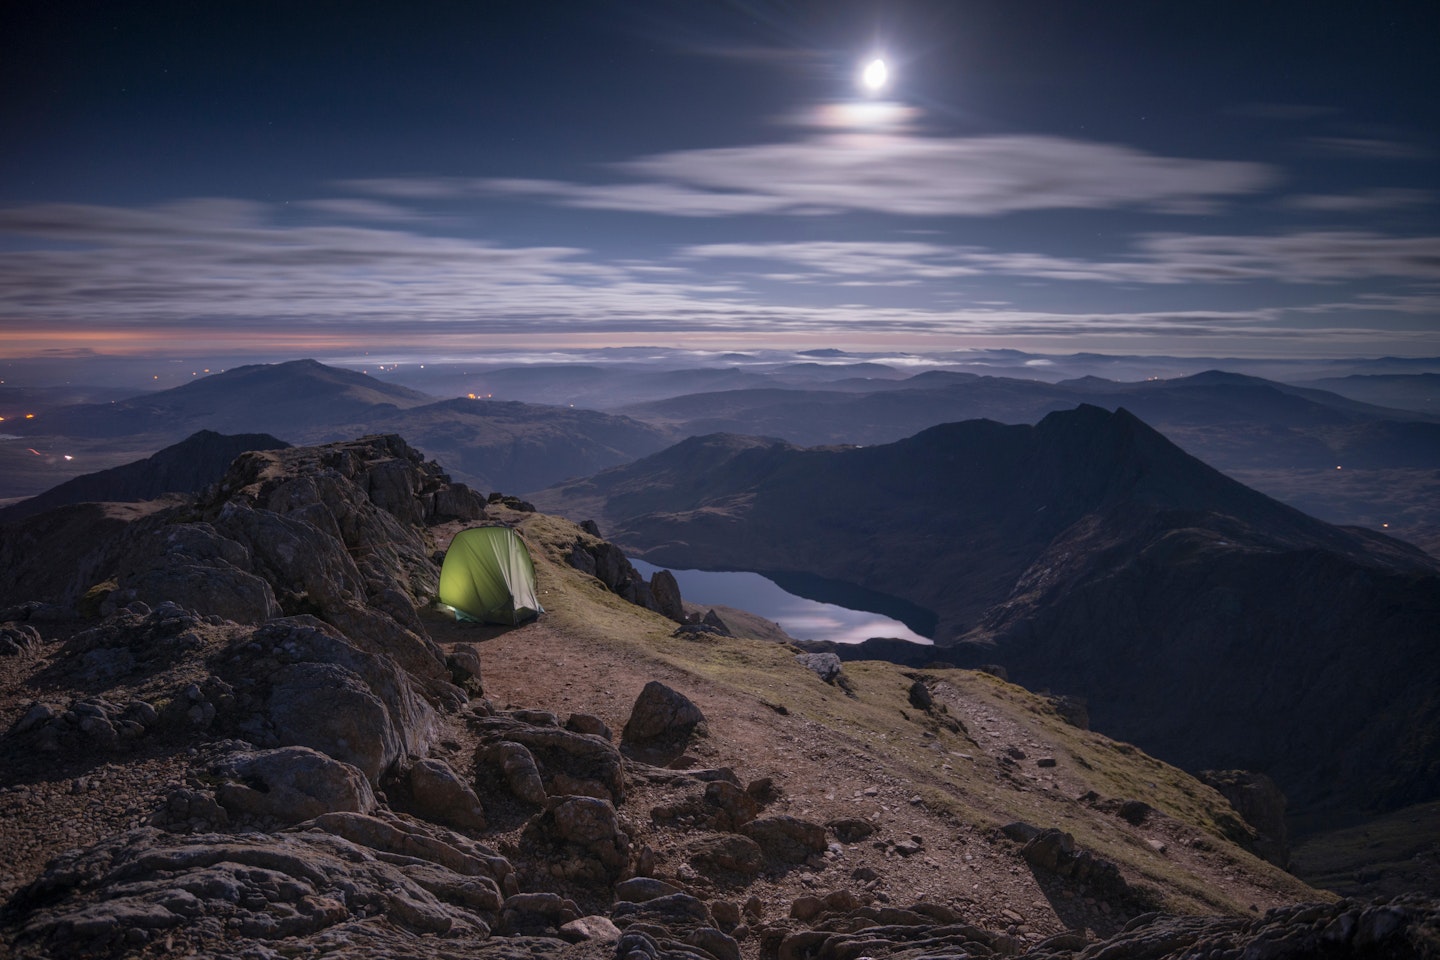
(446,179)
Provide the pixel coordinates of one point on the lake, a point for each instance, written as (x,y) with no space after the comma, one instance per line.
(841,616)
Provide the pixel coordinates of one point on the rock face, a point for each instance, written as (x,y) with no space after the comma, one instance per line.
(204,890)
(330,531)
(1261,804)
(607,563)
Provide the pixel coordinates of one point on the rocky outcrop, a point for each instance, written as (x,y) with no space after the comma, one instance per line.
(289,785)
(207,890)
(661,724)
(537,761)
(19,638)
(607,563)
(826,666)
(1053,852)
(330,531)
(579,839)
(1260,803)
(291,682)
(432,790)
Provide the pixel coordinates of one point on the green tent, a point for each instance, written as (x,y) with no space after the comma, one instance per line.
(487,577)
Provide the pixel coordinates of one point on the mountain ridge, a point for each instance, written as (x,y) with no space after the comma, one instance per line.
(1093,528)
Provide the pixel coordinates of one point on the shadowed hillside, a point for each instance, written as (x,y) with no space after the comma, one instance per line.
(1090,556)
(186,467)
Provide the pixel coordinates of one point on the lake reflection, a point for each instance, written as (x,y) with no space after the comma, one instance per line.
(801,618)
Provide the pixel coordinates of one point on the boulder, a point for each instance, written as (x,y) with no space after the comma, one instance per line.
(826,666)
(1054,852)
(733,806)
(661,724)
(516,769)
(713,621)
(730,851)
(920,697)
(329,708)
(592,928)
(463,662)
(590,725)
(678,913)
(567,763)
(665,596)
(290,784)
(330,695)
(18,638)
(785,838)
(583,839)
(437,793)
(535,914)
(1134,812)
(640,889)
(851,829)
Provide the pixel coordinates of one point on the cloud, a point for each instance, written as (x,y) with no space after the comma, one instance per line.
(360,208)
(895,173)
(1377,200)
(212,271)
(1309,257)
(1370,148)
(880,261)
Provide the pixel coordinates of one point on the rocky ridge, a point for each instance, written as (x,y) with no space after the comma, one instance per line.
(260,740)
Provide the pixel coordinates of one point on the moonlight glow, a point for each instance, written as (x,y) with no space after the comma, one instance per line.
(875,75)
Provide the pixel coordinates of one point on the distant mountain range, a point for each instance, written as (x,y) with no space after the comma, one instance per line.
(491,445)
(1284,440)
(1089,555)
(1281,439)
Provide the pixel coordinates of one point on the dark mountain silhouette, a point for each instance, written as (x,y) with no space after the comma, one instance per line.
(186,467)
(1278,438)
(1230,418)
(284,398)
(1089,555)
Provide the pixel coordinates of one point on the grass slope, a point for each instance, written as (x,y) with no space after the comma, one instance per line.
(931,776)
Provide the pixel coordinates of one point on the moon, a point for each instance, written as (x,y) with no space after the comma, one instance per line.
(875,75)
